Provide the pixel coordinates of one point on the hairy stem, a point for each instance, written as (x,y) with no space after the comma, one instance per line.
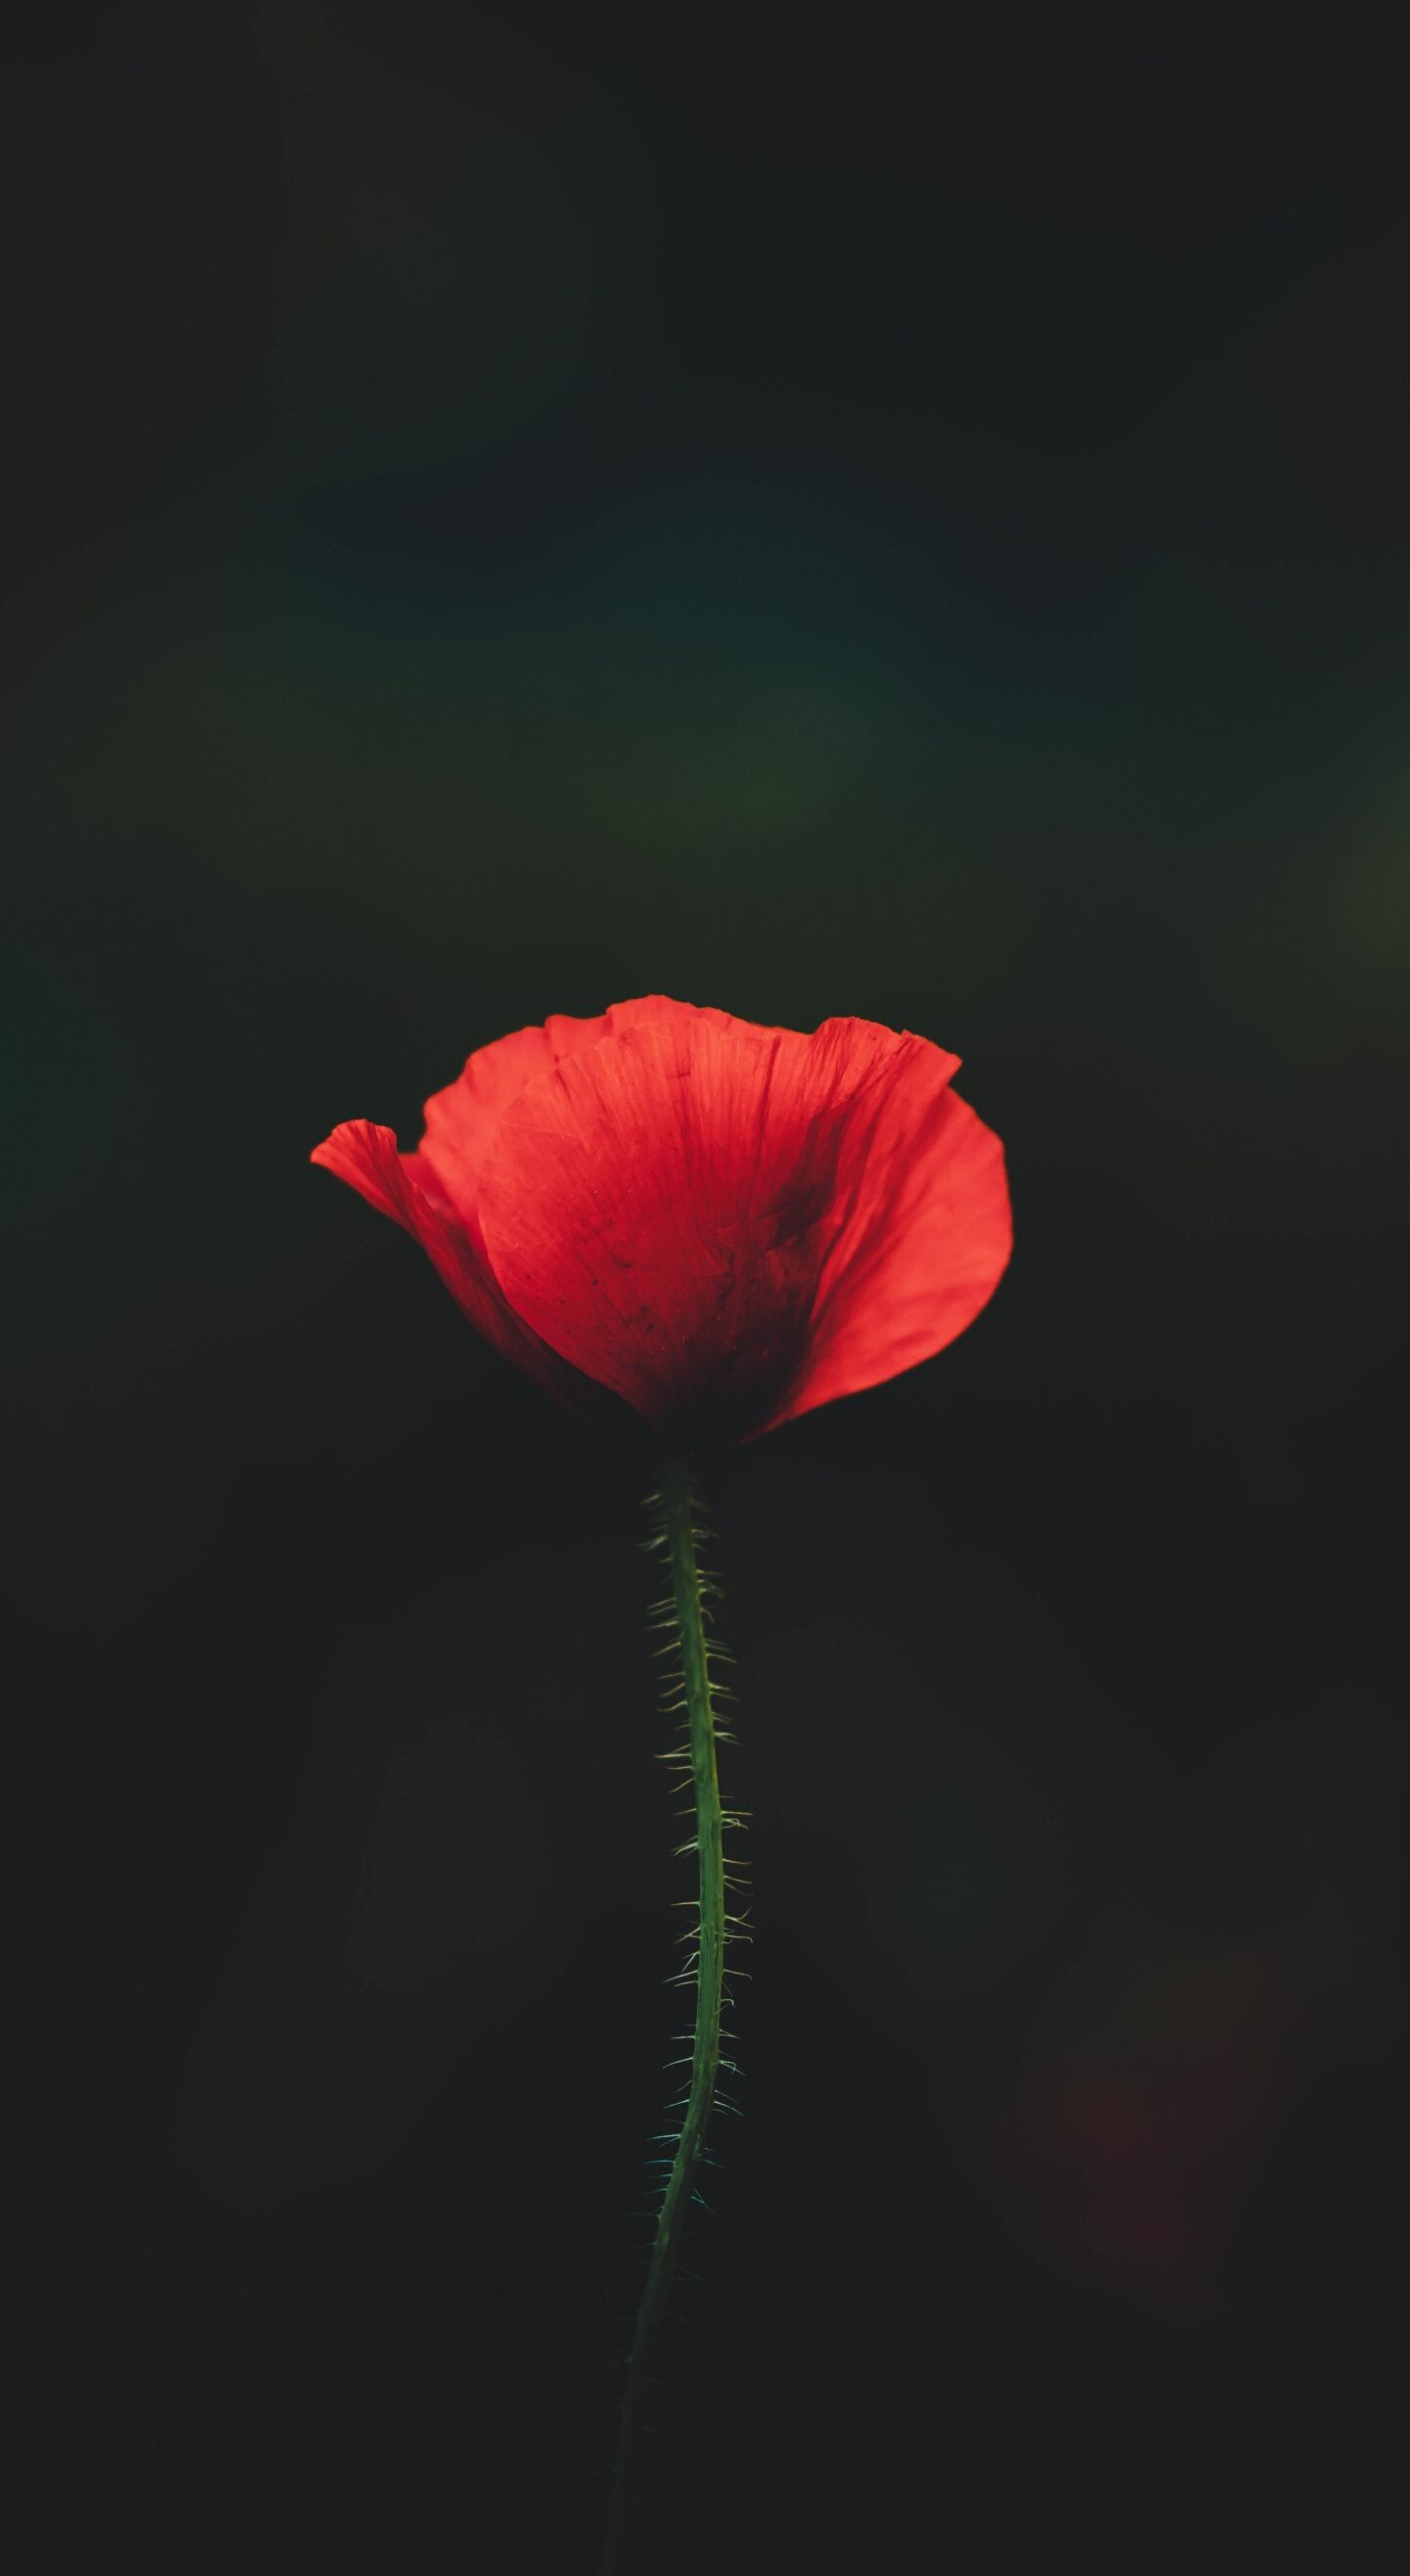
(690,1694)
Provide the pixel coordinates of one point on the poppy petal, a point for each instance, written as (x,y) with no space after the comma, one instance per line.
(366,1156)
(927,1237)
(683,1209)
(463,1119)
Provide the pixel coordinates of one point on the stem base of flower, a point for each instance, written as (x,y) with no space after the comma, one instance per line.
(689,1694)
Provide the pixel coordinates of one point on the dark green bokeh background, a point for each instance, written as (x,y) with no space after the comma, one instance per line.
(810,510)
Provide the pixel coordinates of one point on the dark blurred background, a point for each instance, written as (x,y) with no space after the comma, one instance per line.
(811,510)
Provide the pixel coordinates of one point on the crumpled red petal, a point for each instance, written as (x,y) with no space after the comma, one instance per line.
(366,1157)
(728,1224)
(463,1120)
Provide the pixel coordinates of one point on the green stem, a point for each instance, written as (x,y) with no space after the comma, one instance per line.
(690,1695)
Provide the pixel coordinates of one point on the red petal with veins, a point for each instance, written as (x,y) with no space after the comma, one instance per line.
(728,1224)
(463,1120)
(367,1158)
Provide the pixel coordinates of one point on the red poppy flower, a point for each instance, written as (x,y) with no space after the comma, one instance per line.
(723,1224)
